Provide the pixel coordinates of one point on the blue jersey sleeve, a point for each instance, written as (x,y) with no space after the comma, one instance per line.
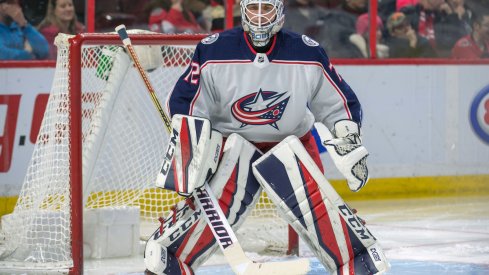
(352,102)
(186,88)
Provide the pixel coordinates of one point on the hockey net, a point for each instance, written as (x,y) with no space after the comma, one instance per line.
(101,143)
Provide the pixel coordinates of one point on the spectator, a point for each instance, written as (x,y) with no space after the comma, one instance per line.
(158,10)
(337,27)
(463,11)
(304,17)
(34,10)
(178,19)
(403,3)
(19,40)
(362,37)
(328,4)
(60,18)
(355,7)
(197,8)
(476,44)
(476,5)
(403,41)
(217,15)
(386,8)
(435,21)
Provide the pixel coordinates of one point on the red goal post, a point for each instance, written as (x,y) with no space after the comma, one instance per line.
(75,56)
(100,146)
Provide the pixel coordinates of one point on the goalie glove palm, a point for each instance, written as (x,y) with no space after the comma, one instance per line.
(348,154)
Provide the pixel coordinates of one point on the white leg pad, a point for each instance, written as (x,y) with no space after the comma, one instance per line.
(185,236)
(308,202)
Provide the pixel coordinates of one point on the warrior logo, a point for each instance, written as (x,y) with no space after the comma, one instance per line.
(261,108)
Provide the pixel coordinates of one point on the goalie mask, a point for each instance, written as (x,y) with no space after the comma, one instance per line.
(262,19)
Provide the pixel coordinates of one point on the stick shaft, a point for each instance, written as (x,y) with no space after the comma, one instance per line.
(205,198)
(121,30)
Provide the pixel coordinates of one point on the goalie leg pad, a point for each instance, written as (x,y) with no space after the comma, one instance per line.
(159,261)
(162,254)
(192,155)
(185,234)
(234,183)
(306,200)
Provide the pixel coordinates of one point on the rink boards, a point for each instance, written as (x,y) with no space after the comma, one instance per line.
(424,126)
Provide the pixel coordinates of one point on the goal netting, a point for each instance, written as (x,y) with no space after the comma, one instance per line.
(100,146)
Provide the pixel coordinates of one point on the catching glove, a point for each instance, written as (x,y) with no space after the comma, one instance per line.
(346,151)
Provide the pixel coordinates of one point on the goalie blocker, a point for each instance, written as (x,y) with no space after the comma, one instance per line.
(307,201)
(192,155)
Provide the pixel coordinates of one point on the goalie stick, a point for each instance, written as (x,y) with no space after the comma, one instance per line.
(222,231)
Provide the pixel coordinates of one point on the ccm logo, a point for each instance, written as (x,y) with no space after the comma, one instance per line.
(216,154)
(163,256)
(354,223)
(169,153)
(375,254)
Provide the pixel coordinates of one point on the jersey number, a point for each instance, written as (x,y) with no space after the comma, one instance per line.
(193,74)
(331,68)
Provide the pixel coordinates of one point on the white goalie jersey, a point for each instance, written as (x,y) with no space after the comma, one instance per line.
(227,83)
(270,102)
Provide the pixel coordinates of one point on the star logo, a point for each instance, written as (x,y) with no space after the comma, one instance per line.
(260,108)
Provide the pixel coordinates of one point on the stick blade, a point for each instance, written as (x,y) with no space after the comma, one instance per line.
(242,265)
(289,267)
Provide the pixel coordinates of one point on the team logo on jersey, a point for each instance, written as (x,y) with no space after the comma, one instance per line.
(210,39)
(479,114)
(260,108)
(309,41)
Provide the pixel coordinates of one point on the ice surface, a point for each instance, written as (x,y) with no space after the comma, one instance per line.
(420,236)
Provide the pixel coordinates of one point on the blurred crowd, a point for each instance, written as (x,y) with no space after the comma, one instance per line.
(20,39)
(404,28)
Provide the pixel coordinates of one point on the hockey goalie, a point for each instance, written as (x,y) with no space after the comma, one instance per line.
(242,115)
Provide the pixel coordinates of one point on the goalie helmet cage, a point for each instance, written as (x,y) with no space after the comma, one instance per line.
(100,146)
